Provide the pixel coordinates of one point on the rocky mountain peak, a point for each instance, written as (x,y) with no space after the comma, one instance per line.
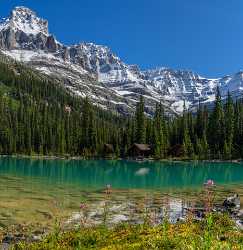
(23,29)
(21,11)
(24,20)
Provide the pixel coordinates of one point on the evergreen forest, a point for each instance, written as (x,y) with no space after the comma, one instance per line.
(38,116)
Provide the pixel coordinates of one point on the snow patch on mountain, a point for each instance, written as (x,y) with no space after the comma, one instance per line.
(28,56)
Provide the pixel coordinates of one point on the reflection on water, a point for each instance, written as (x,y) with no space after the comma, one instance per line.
(123,174)
(40,190)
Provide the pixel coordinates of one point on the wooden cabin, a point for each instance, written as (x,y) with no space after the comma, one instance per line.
(139,150)
(108,150)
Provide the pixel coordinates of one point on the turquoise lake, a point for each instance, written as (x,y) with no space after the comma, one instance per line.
(38,190)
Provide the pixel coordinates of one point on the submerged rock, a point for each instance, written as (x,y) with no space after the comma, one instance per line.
(4,246)
(119,218)
(232,202)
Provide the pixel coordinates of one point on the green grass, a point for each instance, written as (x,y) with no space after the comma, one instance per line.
(214,232)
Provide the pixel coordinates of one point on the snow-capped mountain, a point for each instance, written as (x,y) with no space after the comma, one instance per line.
(24,19)
(95,71)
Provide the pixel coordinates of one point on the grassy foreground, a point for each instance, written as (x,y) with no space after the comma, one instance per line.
(214,232)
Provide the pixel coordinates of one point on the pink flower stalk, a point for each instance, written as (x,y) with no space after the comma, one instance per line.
(82,206)
(209,183)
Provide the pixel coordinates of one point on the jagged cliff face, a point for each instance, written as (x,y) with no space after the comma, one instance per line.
(92,70)
(23,30)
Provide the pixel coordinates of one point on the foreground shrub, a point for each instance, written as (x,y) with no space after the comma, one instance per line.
(214,232)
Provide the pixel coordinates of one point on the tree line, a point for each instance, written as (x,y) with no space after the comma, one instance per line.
(38,116)
(204,134)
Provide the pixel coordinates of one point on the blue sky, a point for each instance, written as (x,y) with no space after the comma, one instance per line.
(205,36)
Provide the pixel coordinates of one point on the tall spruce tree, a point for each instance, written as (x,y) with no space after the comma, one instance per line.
(140,122)
(216,127)
(159,134)
(229,127)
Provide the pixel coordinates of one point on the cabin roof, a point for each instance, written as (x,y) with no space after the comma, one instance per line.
(142,147)
(109,146)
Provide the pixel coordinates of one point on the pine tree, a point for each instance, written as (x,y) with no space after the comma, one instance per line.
(85,124)
(187,144)
(205,146)
(199,126)
(140,122)
(216,127)
(229,127)
(159,134)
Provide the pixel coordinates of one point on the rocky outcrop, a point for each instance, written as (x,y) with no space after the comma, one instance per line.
(232,202)
(51,44)
(7,39)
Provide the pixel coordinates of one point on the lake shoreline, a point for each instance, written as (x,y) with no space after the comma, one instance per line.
(89,192)
(56,157)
